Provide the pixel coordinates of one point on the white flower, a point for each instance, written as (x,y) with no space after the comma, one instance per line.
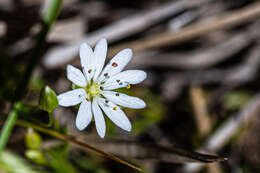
(94,85)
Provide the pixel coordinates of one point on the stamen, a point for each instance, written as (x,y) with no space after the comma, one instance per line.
(117,94)
(114,64)
(102,88)
(87,99)
(90,70)
(105,74)
(114,108)
(128,86)
(117,81)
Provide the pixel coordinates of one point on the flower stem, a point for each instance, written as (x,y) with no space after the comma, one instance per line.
(75,141)
(48,19)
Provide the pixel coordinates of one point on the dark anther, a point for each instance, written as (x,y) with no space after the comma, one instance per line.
(114,64)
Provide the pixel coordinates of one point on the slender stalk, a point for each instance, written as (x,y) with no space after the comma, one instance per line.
(48,19)
(8,126)
(75,141)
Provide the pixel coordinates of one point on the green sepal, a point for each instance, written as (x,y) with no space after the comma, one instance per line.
(48,100)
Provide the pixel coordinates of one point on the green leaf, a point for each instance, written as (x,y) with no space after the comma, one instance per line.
(33,140)
(48,100)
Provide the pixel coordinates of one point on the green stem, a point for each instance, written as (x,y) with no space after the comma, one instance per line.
(8,126)
(39,128)
(38,51)
(50,119)
(48,19)
(75,141)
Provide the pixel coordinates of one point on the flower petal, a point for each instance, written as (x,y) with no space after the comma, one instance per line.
(116,64)
(115,114)
(76,76)
(72,98)
(84,115)
(99,119)
(87,60)
(124,100)
(100,53)
(124,78)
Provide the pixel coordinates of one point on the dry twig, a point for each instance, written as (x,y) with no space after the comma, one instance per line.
(118,30)
(200,110)
(147,151)
(228,20)
(219,138)
(232,77)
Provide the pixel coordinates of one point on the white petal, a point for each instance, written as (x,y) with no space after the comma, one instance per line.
(116,64)
(72,98)
(84,115)
(76,76)
(99,119)
(117,115)
(87,60)
(124,100)
(124,78)
(100,53)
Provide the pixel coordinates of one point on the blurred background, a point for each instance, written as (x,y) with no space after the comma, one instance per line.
(202,92)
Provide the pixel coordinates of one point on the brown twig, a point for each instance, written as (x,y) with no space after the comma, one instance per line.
(200,58)
(223,134)
(200,110)
(228,20)
(150,151)
(232,77)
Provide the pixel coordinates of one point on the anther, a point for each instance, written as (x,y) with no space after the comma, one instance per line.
(106,101)
(114,64)
(88,99)
(117,94)
(117,81)
(90,70)
(102,88)
(128,86)
(114,108)
(105,74)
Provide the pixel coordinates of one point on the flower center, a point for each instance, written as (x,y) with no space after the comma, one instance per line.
(93,89)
